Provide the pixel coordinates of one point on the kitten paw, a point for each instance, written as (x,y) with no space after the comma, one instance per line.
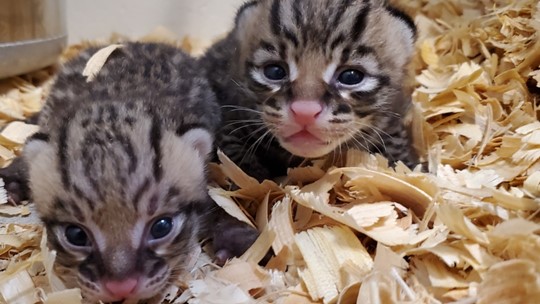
(15,181)
(16,192)
(231,239)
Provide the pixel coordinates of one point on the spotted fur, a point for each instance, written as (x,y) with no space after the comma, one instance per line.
(116,155)
(314,41)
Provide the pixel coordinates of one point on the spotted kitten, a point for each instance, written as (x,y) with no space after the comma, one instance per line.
(117,171)
(305,78)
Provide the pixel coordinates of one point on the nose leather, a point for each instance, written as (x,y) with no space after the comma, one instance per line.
(305,112)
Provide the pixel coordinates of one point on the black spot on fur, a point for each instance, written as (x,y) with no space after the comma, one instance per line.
(342,108)
(81,195)
(129,149)
(140,191)
(275,16)
(291,37)
(339,13)
(282,50)
(62,154)
(337,41)
(272,102)
(345,55)
(338,121)
(297,13)
(152,205)
(172,193)
(61,205)
(156,267)
(39,136)
(155,140)
(360,21)
(77,212)
(267,46)
(363,50)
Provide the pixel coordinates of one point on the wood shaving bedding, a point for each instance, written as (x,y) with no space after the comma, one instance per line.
(466,232)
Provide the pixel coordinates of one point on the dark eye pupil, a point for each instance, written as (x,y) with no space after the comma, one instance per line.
(76,236)
(161,228)
(351,77)
(274,72)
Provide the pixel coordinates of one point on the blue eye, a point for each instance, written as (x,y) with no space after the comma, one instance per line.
(161,228)
(76,236)
(275,72)
(350,77)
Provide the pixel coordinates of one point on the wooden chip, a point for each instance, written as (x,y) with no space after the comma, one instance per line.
(258,250)
(513,281)
(98,60)
(72,296)
(246,275)
(16,133)
(224,200)
(17,288)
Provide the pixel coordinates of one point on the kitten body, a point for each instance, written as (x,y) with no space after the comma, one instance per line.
(305,78)
(118,170)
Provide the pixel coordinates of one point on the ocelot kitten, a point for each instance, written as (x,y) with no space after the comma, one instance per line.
(305,78)
(118,170)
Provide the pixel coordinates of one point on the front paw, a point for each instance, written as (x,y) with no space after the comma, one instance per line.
(231,239)
(16,181)
(16,192)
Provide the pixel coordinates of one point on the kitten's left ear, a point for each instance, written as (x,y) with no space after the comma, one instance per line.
(201,140)
(407,21)
(402,25)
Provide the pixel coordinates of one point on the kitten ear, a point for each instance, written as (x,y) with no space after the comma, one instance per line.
(201,140)
(245,13)
(403,32)
(35,144)
(403,25)
(44,178)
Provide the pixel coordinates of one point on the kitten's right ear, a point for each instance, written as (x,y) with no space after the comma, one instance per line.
(244,13)
(201,140)
(35,144)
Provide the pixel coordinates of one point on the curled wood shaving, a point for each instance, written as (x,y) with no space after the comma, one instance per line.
(98,60)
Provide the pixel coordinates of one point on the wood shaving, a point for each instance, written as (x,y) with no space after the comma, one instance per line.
(97,61)
(468,231)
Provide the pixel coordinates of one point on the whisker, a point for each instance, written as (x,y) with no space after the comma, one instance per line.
(251,150)
(363,125)
(247,126)
(236,108)
(253,133)
(236,122)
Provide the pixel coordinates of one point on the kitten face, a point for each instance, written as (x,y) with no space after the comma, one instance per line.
(325,73)
(122,214)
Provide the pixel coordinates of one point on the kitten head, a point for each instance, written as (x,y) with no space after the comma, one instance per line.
(121,202)
(325,73)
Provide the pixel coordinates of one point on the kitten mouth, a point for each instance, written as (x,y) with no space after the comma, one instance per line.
(304,138)
(306,144)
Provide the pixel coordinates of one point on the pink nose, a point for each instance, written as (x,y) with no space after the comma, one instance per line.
(121,289)
(305,112)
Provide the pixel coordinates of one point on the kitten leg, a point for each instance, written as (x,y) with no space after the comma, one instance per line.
(15,178)
(15,175)
(231,237)
(402,151)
